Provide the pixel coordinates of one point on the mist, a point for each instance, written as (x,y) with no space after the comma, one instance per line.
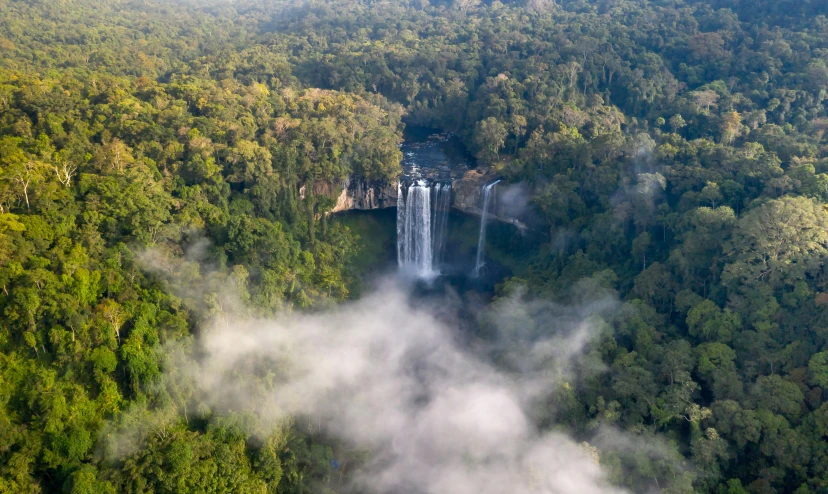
(394,379)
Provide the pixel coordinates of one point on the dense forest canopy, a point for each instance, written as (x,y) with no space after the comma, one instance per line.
(675,150)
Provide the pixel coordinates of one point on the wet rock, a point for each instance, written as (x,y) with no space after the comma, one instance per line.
(361,194)
(467,197)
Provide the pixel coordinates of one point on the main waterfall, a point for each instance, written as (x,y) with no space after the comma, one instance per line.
(481,239)
(421,226)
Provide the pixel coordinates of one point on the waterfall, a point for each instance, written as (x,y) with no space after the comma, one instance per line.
(422,223)
(442,205)
(400,224)
(481,240)
(414,229)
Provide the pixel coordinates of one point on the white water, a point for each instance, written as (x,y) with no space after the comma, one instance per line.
(400,224)
(442,204)
(415,253)
(481,240)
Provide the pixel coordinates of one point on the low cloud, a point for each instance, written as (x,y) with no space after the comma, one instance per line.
(395,380)
(391,374)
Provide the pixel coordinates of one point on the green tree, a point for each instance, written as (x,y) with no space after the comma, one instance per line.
(780,241)
(489,137)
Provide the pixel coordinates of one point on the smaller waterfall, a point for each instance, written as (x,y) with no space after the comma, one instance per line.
(481,240)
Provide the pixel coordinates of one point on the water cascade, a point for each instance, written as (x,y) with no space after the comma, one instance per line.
(422,219)
(481,240)
(442,205)
(414,234)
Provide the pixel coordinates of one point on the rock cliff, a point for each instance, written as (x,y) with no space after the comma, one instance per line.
(360,194)
(507,202)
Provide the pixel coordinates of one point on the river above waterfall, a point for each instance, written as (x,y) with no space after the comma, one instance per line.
(429,154)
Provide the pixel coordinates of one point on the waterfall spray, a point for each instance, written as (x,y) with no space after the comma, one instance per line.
(481,240)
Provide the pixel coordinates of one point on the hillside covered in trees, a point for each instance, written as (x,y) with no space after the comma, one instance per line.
(154,153)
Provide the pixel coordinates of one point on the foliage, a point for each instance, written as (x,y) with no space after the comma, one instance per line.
(676,152)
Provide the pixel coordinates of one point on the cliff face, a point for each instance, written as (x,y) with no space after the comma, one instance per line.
(358,193)
(507,203)
(467,193)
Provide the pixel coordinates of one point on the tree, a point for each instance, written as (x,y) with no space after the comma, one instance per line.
(777,395)
(780,241)
(656,285)
(736,423)
(639,248)
(706,98)
(9,223)
(65,170)
(818,369)
(111,312)
(19,170)
(817,75)
(677,123)
(706,47)
(85,481)
(114,156)
(711,193)
(517,124)
(716,363)
(731,127)
(489,137)
(709,323)
(249,162)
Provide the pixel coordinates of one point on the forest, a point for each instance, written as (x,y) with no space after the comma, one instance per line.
(154,153)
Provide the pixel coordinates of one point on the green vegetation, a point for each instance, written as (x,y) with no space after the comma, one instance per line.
(675,149)
(376,239)
(121,148)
